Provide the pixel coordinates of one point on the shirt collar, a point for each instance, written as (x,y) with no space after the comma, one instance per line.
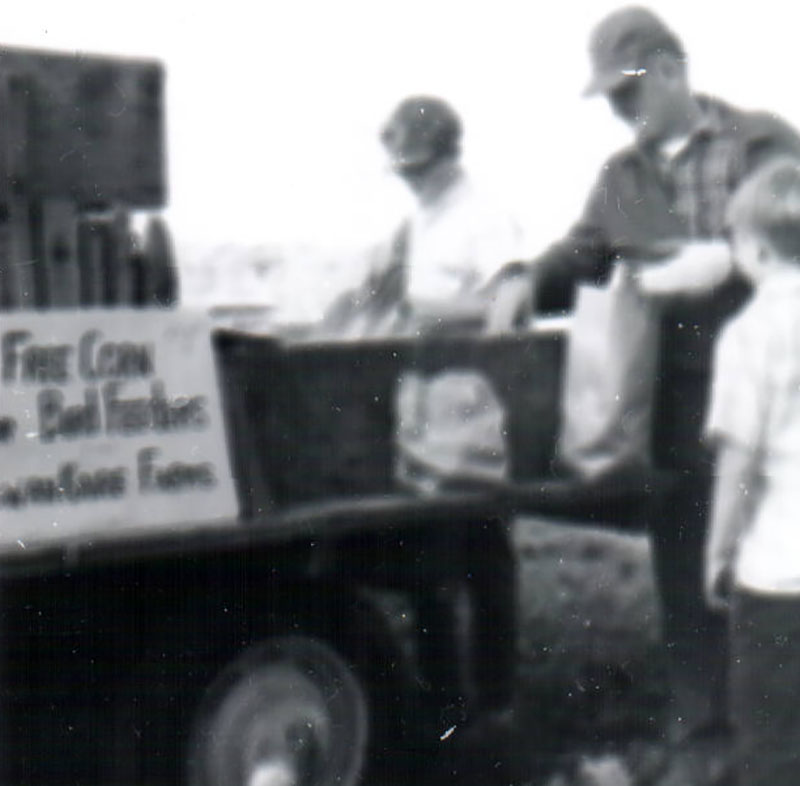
(443,178)
(710,123)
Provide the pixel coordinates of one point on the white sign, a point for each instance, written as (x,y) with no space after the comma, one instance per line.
(110,423)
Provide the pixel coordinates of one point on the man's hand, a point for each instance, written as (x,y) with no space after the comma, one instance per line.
(696,269)
(509,302)
(441,317)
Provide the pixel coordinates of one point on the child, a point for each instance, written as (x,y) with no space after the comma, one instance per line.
(753,549)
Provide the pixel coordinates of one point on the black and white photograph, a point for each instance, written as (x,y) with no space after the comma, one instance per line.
(399,394)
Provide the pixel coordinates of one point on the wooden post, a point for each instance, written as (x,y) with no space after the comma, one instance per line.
(58,253)
(17,274)
(116,260)
(90,261)
(161,282)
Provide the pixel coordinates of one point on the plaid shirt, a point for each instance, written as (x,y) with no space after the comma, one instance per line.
(725,147)
(702,177)
(643,200)
(644,205)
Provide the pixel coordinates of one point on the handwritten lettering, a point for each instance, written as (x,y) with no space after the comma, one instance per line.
(155,412)
(99,359)
(69,484)
(8,428)
(107,418)
(58,420)
(173,477)
(45,363)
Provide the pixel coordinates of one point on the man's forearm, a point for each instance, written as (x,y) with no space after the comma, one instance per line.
(695,269)
(558,270)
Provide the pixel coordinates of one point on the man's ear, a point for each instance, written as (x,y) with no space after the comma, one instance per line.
(668,67)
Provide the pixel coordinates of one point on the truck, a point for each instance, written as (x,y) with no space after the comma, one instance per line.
(199,528)
(256,633)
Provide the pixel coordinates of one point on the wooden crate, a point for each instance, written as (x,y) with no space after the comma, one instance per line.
(86,128)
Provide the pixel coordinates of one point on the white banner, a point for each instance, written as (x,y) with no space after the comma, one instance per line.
(110,423)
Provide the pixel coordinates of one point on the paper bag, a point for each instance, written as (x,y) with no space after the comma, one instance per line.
(607,400)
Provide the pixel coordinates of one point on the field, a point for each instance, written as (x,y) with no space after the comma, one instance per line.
(589,685)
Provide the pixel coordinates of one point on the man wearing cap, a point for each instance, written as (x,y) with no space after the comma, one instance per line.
(443,263)
(663,199)
(442,272)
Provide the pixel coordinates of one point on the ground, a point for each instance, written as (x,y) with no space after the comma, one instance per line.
(589,626)
(590,680)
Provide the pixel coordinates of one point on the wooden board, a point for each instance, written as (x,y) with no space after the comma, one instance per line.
(93,128)
(110,426)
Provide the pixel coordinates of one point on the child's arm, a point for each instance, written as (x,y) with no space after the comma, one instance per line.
(735,492)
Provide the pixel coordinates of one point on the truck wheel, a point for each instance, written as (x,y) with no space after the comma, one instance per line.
(287,712)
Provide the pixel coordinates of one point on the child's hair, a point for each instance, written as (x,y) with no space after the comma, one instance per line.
(767,203)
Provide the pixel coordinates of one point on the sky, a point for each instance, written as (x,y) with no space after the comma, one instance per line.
(273,108)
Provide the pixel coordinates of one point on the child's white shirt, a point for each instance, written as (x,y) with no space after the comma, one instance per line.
(755,403)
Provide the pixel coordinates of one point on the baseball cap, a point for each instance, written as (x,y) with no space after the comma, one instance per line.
(429,116)
(621,43)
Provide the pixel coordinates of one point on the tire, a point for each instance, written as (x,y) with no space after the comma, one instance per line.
(286,712)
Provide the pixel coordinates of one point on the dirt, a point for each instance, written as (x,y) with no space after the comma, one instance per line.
(589,626)
(590,677)
(590,683)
